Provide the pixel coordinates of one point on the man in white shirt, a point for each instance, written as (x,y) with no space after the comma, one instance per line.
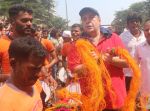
(132,38)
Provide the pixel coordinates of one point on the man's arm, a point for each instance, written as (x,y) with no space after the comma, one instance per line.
(54,59)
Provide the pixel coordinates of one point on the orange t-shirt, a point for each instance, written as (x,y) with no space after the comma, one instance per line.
(66,48)
(49,47)
(14,99)
(4,56)
(47,44)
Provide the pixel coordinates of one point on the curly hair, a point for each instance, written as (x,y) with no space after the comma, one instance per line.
(23,47)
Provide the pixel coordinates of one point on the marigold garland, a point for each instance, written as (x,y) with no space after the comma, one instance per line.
(97,77)
(99,80)
(135,82)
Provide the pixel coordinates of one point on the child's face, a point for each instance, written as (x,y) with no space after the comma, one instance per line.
(147,31)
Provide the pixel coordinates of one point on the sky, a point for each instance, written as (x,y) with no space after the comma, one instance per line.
(106,8)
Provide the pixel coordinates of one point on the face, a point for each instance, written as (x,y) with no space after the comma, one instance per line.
(38,34)
(75,32)
(45,34)
(27,72)
(90,22)
(134,25)
(23,23)
(147,31)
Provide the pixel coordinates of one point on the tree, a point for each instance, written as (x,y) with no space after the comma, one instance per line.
(142,8)
(43,10)
(147,9)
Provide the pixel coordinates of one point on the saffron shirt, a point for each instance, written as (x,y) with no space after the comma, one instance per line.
(18,100)
(48,45)
(4,57)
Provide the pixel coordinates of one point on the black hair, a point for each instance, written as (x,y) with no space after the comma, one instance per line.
(54,32)
(76,25)
(134,16)
(23,47)
(14,10)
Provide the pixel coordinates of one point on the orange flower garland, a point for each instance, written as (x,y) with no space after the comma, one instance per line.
(135,82)
(96,76)
(98,79)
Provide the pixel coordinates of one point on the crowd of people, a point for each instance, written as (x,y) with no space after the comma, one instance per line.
(37,61)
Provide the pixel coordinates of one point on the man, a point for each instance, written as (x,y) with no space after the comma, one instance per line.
(27,56)
(76,31)
(51,58)
(132,38)
(91,25)
(21,22)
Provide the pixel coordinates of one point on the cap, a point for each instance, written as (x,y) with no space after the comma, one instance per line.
(88,9)
(66,33)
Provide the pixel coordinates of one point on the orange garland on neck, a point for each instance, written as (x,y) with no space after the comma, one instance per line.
(97,76)
(99,79)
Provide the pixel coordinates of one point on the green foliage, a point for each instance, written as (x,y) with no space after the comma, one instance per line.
(43,11)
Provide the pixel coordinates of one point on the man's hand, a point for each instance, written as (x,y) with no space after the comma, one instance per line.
(94,55)
(107,57)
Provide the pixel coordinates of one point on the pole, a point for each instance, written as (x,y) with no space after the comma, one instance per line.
(66,12)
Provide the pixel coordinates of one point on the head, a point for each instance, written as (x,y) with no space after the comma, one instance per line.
(45,33)
(90,20)
(37,31)
(27,57)
(134,21)
(21,20)
(54,33)
(146,29)
(66,36)
(76,31)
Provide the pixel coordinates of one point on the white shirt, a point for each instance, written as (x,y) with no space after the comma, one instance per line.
(131,42)
(62,74)
(142,55)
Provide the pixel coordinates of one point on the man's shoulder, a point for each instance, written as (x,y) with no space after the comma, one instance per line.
(46,41)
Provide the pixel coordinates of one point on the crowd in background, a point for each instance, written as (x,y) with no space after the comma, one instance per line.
(60,62)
